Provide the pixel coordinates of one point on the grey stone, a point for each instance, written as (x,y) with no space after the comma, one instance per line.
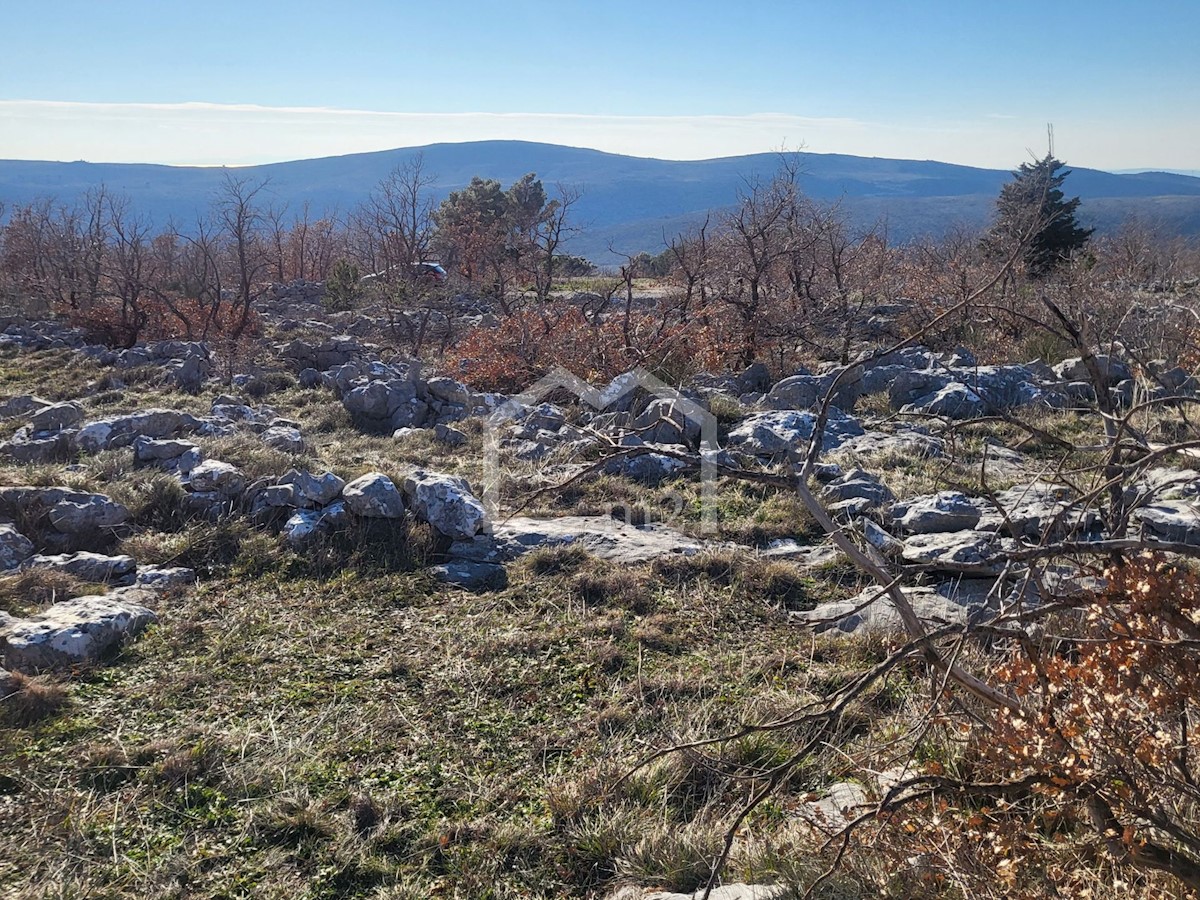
(92,567)
(665,421)
(215,477)
(881,540)
(151,450)
(1037,510)
(952,602)
(451,437)
(165,578)
(602,536)
(735,891)
(953,401)
(843,802)
(808,391)
(755,378)
(15,548)
(470,575)
(971,553)
(447,503)
(36,447)
(375,496)
(385,405)
(318,490)
(944,511)
(306,524)
(789,432)
(57,416)
(21,405)
(284,439)
(906,444)
(81,514)
(859,485)
(71,632)
(1175,521)
(1112,370)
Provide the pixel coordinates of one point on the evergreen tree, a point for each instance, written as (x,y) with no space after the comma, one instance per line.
(1034,200)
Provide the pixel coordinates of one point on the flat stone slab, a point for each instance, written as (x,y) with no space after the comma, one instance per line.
(469,575)
(806,556)
(1175,521)
(951,602)
(602,536)
(71,632)
(968,553)
(93,567)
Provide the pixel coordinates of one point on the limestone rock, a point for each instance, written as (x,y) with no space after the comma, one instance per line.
(316,490)
(81,514)
(969,553)
(91,567)
(373,495)
(602,536)
(215,477)
(446,503)
(71,632)
(165,578)
(15,548)
(470,575)
(57,416)
(944,511)
(284,438)
(789,432)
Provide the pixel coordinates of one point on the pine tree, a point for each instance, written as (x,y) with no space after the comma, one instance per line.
(1034,200)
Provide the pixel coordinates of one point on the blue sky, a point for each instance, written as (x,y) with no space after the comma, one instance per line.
(260,80)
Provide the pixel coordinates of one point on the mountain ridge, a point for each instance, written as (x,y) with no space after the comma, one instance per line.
(626,199)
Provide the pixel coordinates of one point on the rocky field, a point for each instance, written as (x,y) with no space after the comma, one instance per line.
(325,621)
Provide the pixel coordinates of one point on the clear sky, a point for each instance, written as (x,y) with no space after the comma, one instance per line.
(974,82)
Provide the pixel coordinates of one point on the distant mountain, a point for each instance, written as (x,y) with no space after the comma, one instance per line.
(628,202)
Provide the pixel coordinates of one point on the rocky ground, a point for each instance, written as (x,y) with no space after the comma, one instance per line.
(267,632)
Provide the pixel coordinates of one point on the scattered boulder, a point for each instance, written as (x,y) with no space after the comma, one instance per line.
(953,401)
(945,511)
(857,485)
(305,524)
(375,496)
(95,568)
(1112,370)
(215,477)
(1174,521)
(384,406)
(21,405)
(86,513)
(449,436)
(57,416)
(284,438)
(808,391)
(446,503)
(70,633)
(602,536)
(973,554)
(790,431)
(666,421)
(313,490)
(15,548)
(950,602)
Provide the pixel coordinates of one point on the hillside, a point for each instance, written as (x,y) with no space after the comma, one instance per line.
(628,202)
